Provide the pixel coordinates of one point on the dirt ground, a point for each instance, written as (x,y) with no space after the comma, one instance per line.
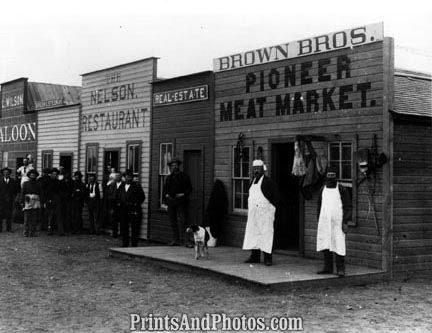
(70,284)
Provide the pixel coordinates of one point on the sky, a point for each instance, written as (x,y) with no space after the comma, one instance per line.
(56,41)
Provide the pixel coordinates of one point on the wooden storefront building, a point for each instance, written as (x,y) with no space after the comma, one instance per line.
(182,126)
(58,128)
(21,101)
(115,122)
(339,94)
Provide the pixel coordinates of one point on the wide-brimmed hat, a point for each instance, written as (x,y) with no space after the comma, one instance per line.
(32,171)
(174,160)
(6,168)
(54,170)
(128,173)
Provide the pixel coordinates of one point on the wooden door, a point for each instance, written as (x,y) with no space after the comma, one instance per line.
(193,168)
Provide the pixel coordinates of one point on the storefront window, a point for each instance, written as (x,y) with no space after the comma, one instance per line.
(47,157)
(133,157)
(241,177)
(92,157)
(340,157)
(166,153)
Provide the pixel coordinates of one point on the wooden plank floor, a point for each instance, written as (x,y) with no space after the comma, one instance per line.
(287,271)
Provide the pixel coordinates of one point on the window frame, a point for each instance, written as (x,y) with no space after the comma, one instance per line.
(138,144)
(162,175)
(344,182)
(96,146)
(241,179)
(49,153)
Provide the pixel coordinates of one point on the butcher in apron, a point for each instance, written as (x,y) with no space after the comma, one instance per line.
(335,210)
(262,202)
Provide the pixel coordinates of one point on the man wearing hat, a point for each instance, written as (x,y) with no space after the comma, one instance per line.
(31,195)
(43,181)
(131,197)
(52,199)
(9,188)
(77,202)
(262,203)
(334,211)
(175,194)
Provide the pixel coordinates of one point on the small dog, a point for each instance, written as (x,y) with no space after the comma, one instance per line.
(201,237)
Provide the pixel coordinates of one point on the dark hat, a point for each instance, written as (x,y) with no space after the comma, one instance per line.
(54,170)
(32,171)
(78,174)
(128,172)
(175,160)
(6,168)
(46,170)
(332,169)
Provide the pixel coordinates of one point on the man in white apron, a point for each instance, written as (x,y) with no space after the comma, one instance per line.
(262,202)
(335,210)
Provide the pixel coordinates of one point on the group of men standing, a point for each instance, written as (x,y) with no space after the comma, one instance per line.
(54,202)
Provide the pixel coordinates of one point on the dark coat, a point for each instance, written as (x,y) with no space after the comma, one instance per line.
(131,199)
(177,183)
(52,190)
(78,191)
(31,187)
(97,191)
(8,192)
(113,194)
(346,204)
(217,209)
(270,190)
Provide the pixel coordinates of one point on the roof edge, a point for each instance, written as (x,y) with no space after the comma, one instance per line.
(413,74)
(121,65)
(159,80)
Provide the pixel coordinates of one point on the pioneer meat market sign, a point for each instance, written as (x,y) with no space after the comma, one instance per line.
(303,47)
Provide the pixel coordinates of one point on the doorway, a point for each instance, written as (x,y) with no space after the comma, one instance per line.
(193,168)
(112,159)
(66,162)
(287,220)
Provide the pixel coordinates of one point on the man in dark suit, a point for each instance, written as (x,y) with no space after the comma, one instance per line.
(93,199)
(131,197)
(52,199)
(176,191)
(78,196)
(9,188)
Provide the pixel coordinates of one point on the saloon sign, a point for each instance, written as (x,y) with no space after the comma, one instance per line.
(18,133)
(309,46)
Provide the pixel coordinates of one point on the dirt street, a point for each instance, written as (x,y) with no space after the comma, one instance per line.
(70,284)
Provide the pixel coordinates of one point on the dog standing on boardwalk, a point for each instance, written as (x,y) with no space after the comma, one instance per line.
(201,238)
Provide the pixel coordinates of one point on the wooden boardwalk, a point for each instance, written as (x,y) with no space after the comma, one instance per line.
(287,271)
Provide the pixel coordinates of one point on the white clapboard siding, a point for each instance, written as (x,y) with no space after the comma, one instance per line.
(141,74)
(58,130)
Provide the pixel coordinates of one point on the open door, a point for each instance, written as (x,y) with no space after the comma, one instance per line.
(66,162)
(192,166)
(287,220)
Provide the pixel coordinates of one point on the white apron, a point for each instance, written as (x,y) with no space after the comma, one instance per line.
(259,227)
(329,234)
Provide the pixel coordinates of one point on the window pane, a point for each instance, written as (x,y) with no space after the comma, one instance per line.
(237,171)
(5,158)
(245,201)
(136,159)
(237,186)
(346,151)
(246,186)
(245,169)
(346,170)
(237,201)
(334,151)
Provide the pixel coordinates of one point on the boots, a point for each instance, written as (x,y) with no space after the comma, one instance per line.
(254,257)
(328,263)
(268,259)
(340,265)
